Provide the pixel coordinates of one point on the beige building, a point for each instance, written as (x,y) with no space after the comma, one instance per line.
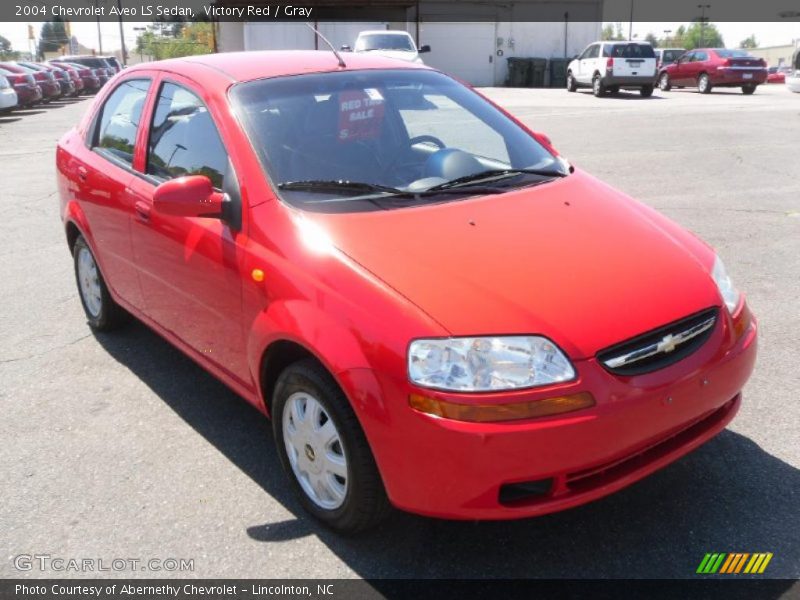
(776,56)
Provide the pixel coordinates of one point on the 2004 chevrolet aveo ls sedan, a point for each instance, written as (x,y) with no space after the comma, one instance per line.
(438,311)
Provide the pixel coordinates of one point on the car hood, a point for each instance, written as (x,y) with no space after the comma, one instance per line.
(572,259)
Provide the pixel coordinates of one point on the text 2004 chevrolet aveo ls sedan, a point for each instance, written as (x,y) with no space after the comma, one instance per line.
(438,312)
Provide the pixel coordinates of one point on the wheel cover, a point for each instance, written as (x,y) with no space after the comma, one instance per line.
(315,450)
(89,283)
(596,85)
(703,83)
(664,80)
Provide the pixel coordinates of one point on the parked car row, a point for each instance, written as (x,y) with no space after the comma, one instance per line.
(26,83)
(611,66)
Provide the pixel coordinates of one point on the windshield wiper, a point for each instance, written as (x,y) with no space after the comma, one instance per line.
(493,174)
(333,186)
(373,192)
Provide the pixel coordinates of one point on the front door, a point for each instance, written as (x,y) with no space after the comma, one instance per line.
(189,267)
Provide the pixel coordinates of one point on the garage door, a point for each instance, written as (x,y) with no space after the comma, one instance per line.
(298,36)
(465,50)
(278,36)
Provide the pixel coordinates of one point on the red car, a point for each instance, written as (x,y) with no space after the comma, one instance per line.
(28,91)
(88,76)
(776,75)
(438,312)
(50,87)
(708,68)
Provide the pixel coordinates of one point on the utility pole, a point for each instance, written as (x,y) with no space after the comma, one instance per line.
(703,8)
(122,35)
(630,27)
(666,36)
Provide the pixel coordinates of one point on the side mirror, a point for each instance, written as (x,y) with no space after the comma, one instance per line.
(346,48)
(190,196)
(424,49)
(575,57)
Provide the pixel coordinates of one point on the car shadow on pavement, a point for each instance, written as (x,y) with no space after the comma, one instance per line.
(9,119)
(625,95)
(728,496)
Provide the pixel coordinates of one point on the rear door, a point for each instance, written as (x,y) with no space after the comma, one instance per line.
(102,173)
(632,59)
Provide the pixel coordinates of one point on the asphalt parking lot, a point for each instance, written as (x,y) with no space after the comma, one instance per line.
(117,446)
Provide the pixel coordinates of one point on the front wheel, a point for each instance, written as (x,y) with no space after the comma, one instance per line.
(102,313)
(663,83)
(324,451)
(646,91)
(748,89)
(704,84)
(571,83)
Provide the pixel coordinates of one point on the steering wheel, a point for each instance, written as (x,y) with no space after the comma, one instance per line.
(419,139)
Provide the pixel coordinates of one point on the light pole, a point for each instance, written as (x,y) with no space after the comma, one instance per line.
(703,8)
(630,27)
(666,36)
(122,35)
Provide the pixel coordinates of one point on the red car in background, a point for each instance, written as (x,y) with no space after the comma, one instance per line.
(91,82)
(453,321)
(50,87)
(60,75)
(708,68)
(28,91)
(777,74)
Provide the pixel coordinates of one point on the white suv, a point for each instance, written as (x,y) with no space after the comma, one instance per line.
(611,66)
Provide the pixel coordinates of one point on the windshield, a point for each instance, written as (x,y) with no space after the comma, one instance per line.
(384,41)
(628,51)
(392,130)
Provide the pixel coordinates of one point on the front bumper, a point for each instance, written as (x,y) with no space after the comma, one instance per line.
(453,469)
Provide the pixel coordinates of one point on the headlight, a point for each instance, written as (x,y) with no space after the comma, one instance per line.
(725,286)
(484,364)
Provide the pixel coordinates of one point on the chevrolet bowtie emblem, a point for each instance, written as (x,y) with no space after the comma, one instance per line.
(668,343)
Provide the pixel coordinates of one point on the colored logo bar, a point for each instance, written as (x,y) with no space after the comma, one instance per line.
(734,563)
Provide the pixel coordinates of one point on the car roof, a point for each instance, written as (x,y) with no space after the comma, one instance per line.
(382,31)
(247,66)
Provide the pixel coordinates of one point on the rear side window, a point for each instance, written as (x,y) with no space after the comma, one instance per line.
(118,122)
(700,56)
(184,139)
(628,51)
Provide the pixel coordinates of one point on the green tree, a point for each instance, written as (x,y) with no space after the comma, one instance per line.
(651,37)
(52,37)
(749,42)
(194,38)
(612,32)
(6,51)
(697,36)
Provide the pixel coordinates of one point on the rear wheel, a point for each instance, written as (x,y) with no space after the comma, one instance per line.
(748,88)
(646,91)
(571,83)
(102,313)
(703,84)
(598,88)
(324,451)
(663,82)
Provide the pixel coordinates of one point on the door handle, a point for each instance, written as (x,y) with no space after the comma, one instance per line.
(142,210)
(82,173)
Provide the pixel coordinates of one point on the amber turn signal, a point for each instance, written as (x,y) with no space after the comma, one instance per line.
(483,413)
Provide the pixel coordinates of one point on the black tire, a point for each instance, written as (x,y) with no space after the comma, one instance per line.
(598,89)
(110,315)
(646,91)
(571,83)
(748,89)
(664,83)
(365,503)
(703,84)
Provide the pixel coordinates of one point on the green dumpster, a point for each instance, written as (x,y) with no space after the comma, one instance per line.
(558,72)
(518,72)
(536,72)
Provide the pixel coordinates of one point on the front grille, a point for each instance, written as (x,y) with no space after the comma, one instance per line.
(661,347)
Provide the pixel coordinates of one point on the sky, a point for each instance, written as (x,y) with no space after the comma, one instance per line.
(767,34)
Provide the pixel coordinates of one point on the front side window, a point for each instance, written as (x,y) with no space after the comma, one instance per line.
(700,56)
(183,139)
(333,137)
(118,121)
(588,52)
